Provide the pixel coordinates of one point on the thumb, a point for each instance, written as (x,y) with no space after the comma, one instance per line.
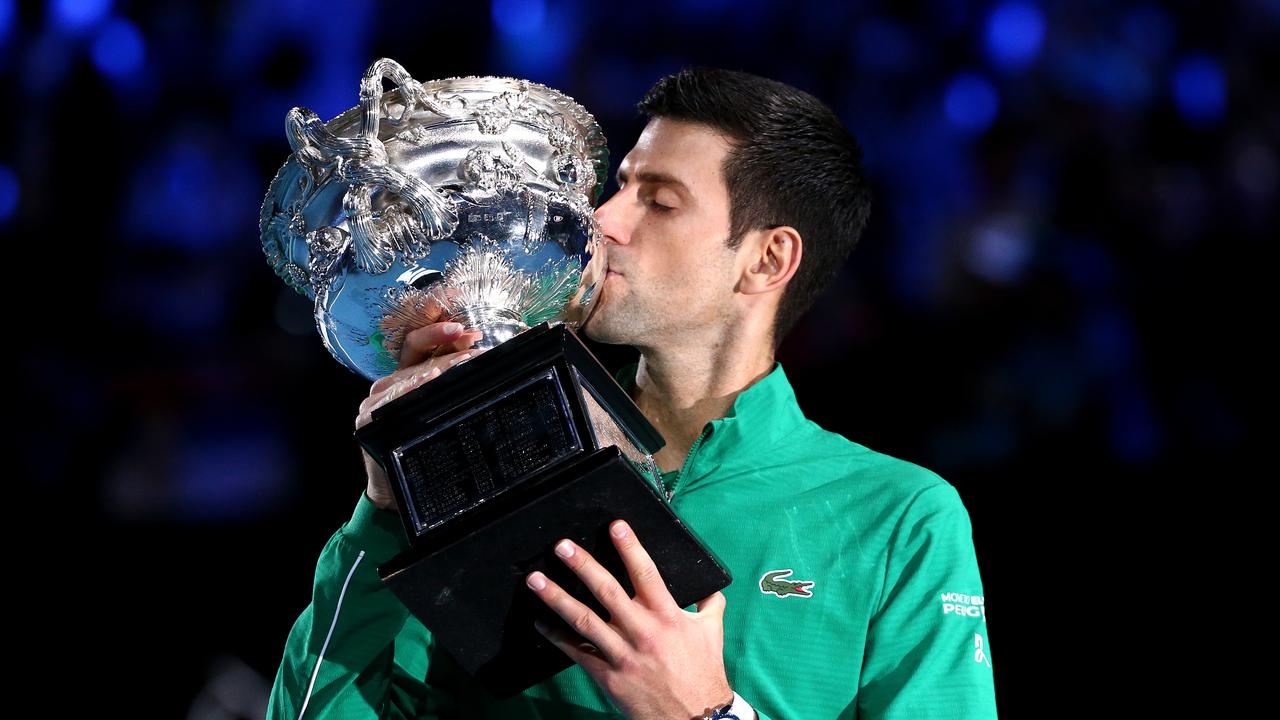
(713,603)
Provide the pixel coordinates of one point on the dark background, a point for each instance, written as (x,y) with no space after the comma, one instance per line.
(1054,307)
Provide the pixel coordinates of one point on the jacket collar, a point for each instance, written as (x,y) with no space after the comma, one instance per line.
(762,414)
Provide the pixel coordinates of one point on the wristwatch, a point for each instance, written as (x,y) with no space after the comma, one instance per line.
(729,711)
(724,712)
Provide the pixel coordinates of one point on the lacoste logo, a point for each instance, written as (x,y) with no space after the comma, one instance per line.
(774,582)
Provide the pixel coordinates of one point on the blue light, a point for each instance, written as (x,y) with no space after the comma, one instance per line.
(191,195)
(228,472)
(523,50)
(1015,31)
(518,17)
(74,15)
(541,57)
(971,102)
(1000,251)
(119,49)
(8,193)
(6,18)
(189,182)
(1200,89)
(1102,71)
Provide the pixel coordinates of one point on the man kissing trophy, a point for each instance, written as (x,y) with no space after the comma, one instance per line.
(470,200)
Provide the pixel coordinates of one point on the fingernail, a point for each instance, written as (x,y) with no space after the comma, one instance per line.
(427,374)
(564,549)
(452,328)
(619,529)
(459,359)
(536,580)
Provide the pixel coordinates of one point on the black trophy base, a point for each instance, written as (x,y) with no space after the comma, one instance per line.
(498,421)
(468,586)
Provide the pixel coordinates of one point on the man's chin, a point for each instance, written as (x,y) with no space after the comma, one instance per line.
(591,330)
(595,329)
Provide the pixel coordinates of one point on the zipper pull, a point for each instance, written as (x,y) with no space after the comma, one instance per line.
(688,460)
(654,474)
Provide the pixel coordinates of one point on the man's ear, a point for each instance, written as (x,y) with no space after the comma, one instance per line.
(775,260)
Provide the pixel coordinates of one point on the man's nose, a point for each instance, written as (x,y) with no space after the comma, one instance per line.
(610,218)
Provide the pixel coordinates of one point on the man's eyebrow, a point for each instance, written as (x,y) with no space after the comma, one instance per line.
(651,176)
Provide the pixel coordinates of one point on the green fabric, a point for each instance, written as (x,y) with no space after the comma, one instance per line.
(892,626)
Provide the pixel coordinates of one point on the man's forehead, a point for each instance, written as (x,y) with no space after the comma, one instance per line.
(675,150)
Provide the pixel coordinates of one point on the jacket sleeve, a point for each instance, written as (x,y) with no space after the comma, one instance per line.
(356,652)
(927,653)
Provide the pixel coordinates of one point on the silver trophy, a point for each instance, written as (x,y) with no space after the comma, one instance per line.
(467,196)
(470,199)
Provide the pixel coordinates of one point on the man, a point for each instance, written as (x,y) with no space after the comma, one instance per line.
(856,590)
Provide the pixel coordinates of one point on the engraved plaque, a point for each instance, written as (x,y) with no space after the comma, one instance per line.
(468,460)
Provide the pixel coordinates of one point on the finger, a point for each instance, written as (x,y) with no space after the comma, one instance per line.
(395,390)
(461,343)
(622,609)
(420,343)
(645,578)
(581,619)
(412,378)
(417,375)
(399,383)
(578,649)
(382,384)
(443,361)
(394,377)
(465,341)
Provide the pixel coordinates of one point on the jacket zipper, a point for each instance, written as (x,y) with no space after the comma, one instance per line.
(688,460)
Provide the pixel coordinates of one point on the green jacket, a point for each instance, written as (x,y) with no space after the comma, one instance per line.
(856,591)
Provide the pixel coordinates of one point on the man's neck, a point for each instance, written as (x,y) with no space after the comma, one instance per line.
(681,390)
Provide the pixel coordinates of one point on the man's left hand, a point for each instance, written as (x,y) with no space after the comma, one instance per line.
(653,658)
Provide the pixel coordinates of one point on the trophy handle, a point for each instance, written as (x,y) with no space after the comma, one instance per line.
(361,163)
(371,95)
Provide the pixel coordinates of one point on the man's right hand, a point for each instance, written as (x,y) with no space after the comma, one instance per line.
(427,352)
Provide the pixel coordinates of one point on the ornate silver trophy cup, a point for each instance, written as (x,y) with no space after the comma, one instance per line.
(475,193)
(470,199)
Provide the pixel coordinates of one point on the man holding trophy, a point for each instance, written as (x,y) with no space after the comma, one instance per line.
(524,512)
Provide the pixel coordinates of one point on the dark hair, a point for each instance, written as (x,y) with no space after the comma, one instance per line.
(792,163)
